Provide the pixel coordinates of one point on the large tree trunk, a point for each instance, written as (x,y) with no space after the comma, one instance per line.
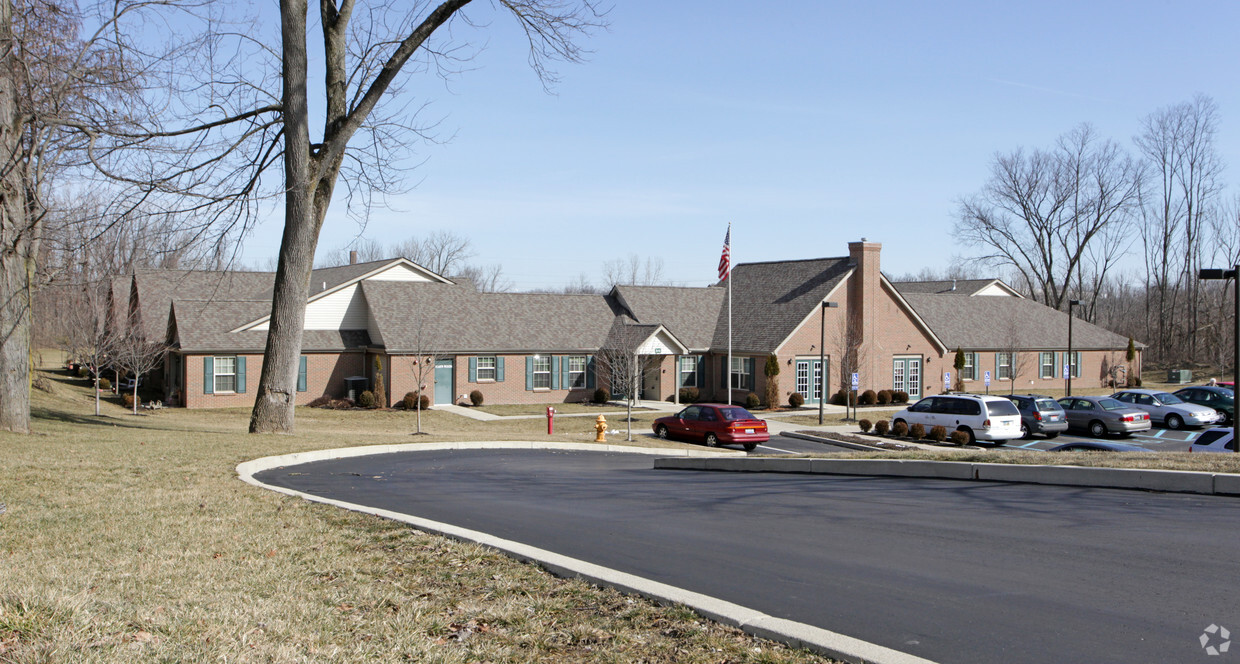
(273,403)
(15,245)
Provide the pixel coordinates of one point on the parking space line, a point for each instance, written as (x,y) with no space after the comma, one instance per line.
(768,447)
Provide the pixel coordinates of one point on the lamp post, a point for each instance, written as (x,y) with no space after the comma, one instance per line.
(1071,366)
(1211,273)
(822,359)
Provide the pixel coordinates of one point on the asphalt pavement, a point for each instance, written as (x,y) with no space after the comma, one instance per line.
(950,571)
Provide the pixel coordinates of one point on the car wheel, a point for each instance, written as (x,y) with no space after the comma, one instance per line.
(749,447)
(1024,431)
(661,431)
(1174,422)
(1097,429)
(968,432)
(712,440)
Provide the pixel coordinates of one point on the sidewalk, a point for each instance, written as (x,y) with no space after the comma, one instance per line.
(647,406)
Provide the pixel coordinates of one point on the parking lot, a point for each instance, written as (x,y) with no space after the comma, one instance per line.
(1156,439)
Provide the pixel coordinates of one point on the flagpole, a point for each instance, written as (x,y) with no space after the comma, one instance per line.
(729,314)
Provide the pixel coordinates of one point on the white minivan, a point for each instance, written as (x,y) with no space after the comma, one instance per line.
(982,417)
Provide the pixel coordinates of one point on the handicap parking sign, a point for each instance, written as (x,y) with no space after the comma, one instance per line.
(1066,371)
(987,378)
(856,381)
(947,380)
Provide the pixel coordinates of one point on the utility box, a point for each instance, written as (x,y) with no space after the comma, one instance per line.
(1179,376)
(354,386)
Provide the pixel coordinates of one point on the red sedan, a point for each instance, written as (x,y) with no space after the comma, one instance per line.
(714,424)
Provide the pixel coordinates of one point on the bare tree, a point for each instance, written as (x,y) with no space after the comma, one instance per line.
(311,168)
(634,271)
(1019,359)
(486,278)
(133,354)
(1042,213)
(619,361)
(421,362)
(846,337)
(85,335)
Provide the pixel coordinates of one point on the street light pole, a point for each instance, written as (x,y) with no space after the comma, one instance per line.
(1212,273)
(822,358)
(1071,358)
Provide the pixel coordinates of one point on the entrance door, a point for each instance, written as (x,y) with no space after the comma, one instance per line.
(906,376)
(650,382)
(444,373)
(810,379)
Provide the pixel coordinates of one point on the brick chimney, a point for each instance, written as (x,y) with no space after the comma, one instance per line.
(864,294)
(353,257)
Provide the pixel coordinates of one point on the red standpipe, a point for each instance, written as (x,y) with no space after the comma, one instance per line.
(550,420)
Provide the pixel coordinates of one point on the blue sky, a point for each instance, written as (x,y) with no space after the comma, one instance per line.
(805,124)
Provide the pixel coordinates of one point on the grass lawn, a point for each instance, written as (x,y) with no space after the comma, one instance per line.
(129,538)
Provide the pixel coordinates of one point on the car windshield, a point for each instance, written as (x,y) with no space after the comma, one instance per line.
(1048,404)
(1111,404)
(733,414)
(1168,399)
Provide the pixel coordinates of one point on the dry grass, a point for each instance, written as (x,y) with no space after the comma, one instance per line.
(131,539)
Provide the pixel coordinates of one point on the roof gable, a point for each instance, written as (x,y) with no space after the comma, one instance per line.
(770,300)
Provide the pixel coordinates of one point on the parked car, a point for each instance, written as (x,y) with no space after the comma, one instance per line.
(1039,414)
(1167,409)
(1097,446)
(1218,439)
(1222,399)
(982,417)
(714,424)
(1103,415)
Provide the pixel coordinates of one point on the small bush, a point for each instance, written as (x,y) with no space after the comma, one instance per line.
(899,429)
(844,398)
(601,395)
(752,401)
(105,384)
(883,397)
(475,398)
(367,399)
(320,402)
(690,394)
(340,404)
(127,399)
(959,438)
(1137,381)
(796,400)
(917,431)
(413,402)
(42,384)
(881,427)
(867,398)
(865,425)
(938,433)
(899,396)
(83,372)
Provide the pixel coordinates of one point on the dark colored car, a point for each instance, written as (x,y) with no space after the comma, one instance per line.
(1039,414)
(1097,446)
(1221,399)
(714,424)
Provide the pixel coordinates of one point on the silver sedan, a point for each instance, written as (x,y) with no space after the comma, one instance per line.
(1168,409)
(1103,415)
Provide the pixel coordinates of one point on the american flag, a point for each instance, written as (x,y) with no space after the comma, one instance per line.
(725,260)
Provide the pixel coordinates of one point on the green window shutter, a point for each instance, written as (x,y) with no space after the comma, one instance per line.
(240,374)
(529,372)
(699,371)
(977,364)
(1059,365)
(1076,373)
(473,369)
(751,373)
(499,369)
(301,374)
(591,381)
(556,365)
(208,375)
(724,371)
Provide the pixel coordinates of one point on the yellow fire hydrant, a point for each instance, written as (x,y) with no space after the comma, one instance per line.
(600,425)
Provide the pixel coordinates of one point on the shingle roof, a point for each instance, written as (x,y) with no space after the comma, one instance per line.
(422,317)
(958,286)
(203,326)
(769,300)
(158,288)
(991,323)
(689,313)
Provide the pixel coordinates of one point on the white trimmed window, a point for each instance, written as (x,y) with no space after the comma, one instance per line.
(742,373)
(969,372)
(576,371)
(688,372)
(1003,368)
(486,368)
(225,374)
(542,372)
(1047,362)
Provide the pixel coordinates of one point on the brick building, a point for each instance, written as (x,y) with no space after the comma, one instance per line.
(398,322)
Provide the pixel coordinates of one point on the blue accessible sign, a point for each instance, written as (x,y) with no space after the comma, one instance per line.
(947,381)
(987,378)
(856,381)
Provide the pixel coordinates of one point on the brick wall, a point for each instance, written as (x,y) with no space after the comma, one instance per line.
(325,374)
(403,378)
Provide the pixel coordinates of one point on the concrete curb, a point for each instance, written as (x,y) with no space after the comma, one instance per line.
(759,624)
(1170,481)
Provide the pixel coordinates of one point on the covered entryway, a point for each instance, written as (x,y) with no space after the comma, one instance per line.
(445,374)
